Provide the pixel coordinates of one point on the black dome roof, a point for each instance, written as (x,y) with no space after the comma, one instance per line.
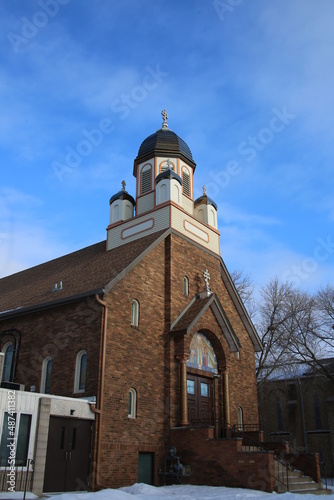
(122,195)
(205,200)
(168,174)
(164,142)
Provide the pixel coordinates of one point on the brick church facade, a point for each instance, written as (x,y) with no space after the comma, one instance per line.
(147,329)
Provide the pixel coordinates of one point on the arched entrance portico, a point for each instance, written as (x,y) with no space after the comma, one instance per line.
(203,382)
(202,368)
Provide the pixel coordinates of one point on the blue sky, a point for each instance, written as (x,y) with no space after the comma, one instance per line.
(248,84)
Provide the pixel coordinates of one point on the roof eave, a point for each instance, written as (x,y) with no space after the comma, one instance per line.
(161,152)
(19,311)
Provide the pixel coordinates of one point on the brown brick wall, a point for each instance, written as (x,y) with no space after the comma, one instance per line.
(142,358)
(135,359)
(60,333)
(191,261)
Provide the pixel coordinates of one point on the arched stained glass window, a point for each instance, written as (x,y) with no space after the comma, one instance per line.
(202,354)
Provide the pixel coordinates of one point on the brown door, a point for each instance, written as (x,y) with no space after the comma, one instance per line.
(68,455)
(200,397)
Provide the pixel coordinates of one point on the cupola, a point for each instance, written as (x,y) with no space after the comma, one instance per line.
(161,151)
(163,143)
(168,186)
(205,210)
(122,206)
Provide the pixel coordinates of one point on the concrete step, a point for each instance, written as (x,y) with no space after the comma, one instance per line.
(313,491)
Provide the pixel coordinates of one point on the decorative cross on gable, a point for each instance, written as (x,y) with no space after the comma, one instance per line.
(169,165)
(123,185)
(165,118)
(206,275)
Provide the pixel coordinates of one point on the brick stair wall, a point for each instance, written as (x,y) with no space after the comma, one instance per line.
(222,462)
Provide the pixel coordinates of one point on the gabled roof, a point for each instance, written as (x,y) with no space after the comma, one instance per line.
(196,308)
(94,270)
(83,273)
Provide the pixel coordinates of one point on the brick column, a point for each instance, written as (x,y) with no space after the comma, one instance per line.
(227,418)
(183,389)
(42,432)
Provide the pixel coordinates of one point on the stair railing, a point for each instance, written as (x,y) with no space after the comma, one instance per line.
(247,433)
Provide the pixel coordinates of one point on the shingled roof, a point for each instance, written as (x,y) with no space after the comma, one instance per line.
(84,272)
(196,308)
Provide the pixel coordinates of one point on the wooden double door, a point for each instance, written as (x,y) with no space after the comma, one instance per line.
(68,455)
(200,400)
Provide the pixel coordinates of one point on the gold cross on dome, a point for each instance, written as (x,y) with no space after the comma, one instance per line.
(123,185)
(206,275)
(165,118)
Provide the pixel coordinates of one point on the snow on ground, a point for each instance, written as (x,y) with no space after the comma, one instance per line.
(146,492)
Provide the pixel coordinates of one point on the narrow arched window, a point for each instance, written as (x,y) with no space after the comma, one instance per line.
(46,375)
(80,372)
(279,415)
(318,423)
(8,350)
(185,286)
(134,312)
(132,403)
(240,418)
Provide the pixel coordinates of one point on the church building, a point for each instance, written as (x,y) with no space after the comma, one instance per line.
(134,345)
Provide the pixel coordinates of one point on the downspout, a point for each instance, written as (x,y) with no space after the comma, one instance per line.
(93,407)
(302,414)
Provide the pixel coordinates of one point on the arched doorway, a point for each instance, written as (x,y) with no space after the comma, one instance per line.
(201,370)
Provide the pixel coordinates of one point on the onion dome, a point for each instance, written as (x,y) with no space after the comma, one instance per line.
(122,195)
(168,174)
(163,142)
(205,200)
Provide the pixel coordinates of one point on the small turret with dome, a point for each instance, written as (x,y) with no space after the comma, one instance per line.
(205,209)
(122,206)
